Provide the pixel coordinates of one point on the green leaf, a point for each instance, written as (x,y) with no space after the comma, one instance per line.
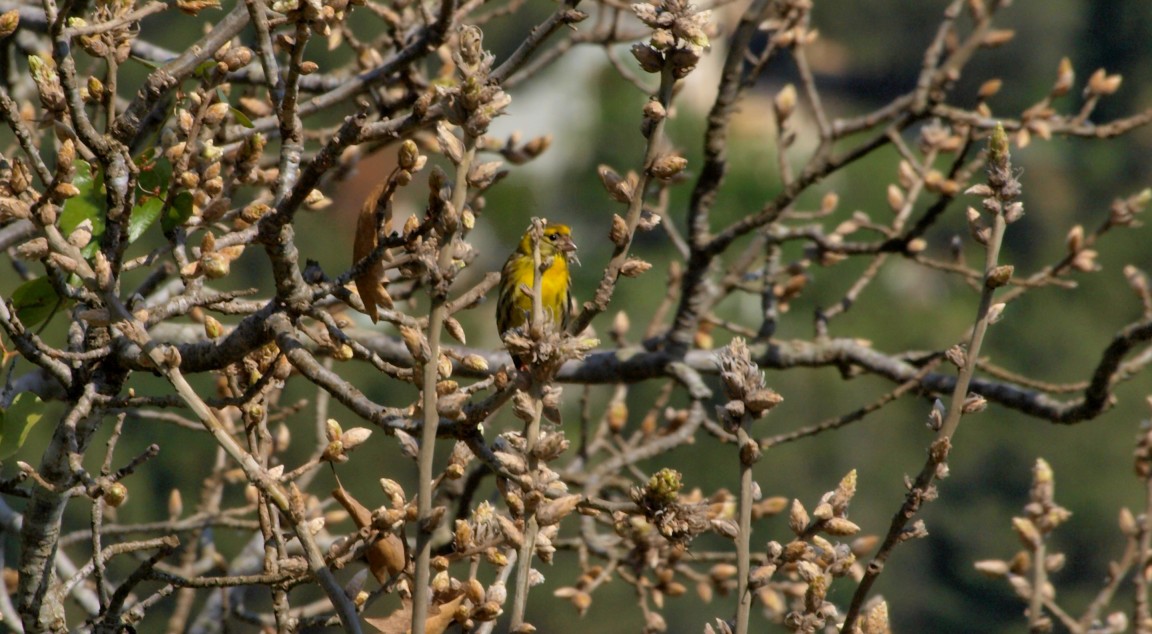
(155,174)
(145,156)
(15,422)
(242,118)
(143,216)
(178,213)
(34,301)
(204,68)
(87,205)
(147,62)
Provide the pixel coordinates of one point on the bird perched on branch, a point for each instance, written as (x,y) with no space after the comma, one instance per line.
(514,309)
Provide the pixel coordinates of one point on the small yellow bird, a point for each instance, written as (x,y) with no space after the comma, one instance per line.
(514,309)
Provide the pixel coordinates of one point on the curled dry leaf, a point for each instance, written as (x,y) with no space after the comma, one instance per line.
(440,617)
(370,283)
(385,555)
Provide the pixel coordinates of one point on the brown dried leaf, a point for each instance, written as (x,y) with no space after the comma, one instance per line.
(361,516)
(398,621)
(385,556)
(439,618)
(369,284)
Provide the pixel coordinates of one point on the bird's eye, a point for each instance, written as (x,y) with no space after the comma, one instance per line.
(552,237)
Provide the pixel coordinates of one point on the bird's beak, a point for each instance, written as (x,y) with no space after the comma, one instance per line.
(568,248)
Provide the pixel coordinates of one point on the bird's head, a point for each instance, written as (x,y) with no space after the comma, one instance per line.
(557,242)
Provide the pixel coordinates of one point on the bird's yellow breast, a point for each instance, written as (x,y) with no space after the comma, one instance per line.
(554,284)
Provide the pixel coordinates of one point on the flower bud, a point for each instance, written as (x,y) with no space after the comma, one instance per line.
(214,265)
(785,102)
(409,154)
(475,363)
(654,110)
(414,341)
(9,22)
(116,495)
(1101,83)
(634,267)
(1065,75)
(619,232)
(667,167)
(999,276)
(650,59)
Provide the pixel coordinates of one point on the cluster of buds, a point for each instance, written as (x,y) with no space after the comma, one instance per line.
(546,353)
(253,367)
(490,534)
(451,399)
(442,212)
(524,408)
(537,354)
(246,161)
(1042,511)
(1124,210)
(826,254)
(481,532)
(474,102)
(43,71)
(462,601)
(999,193)
(679,36)
(15,180)
(935,137)
(539,491)
(213,263)
(659,502)
(748,398)
(1080,257)
(319,15)
(200,166)
(794,280)
(830,515)
(399,508)
(341,441)
(811,561)
(115,42)
(230,59)
(16,196)
(514,151)
(425,239)
(1042,515)
(1102,84)
(1038,118)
